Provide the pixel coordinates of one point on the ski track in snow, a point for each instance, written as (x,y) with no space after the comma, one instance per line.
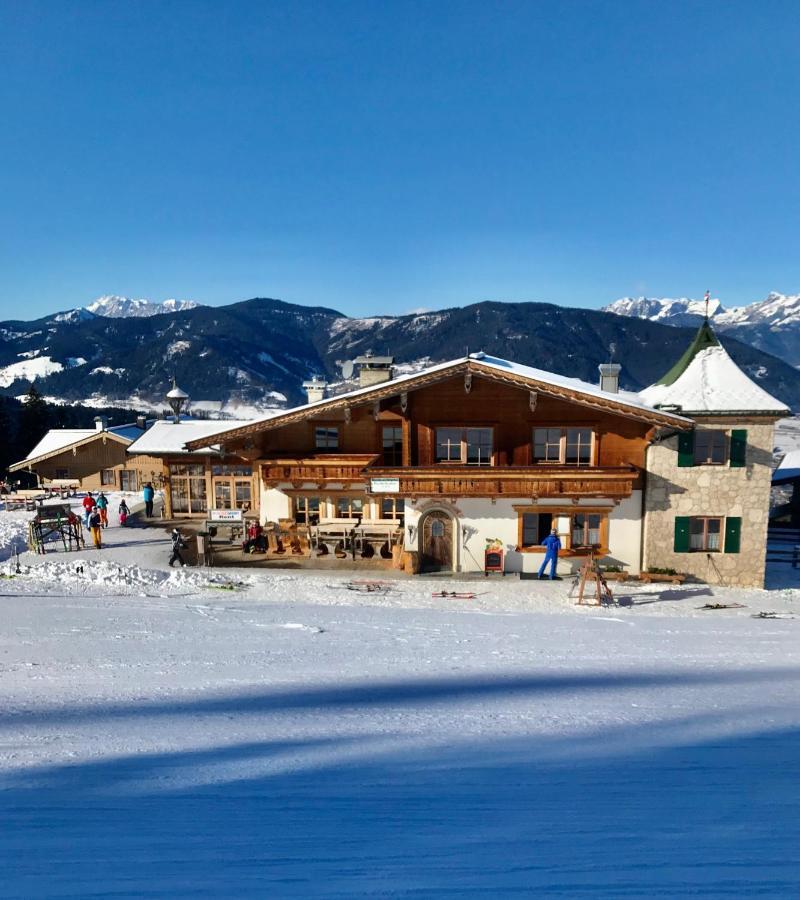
(291,738)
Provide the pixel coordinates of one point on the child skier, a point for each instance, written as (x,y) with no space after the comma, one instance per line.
(102,508)
(124,512)
(95,524)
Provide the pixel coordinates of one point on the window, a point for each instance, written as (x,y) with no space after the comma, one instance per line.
(547,445)
(571,446)
(479,446)
(705,533)
(448,445)
(306,510)
(128,480)
(470,446)
(188,485)
(393,508)
(579,446)
(534,528)
(586,530)
(240,470)
(709,448)
(349,508)
(107,476)
(326,437)
(392,446)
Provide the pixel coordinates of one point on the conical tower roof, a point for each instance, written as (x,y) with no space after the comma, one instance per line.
(706,381)
(704,339)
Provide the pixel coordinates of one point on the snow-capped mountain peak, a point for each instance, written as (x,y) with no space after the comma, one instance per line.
(115,307)
(681,311)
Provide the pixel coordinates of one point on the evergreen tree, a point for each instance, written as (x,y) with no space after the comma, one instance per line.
(34,420)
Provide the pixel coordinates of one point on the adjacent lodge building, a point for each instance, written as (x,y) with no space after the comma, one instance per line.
(482,454)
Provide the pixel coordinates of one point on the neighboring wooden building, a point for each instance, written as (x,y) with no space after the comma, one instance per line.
(198,481)
(462,453)
(90,459)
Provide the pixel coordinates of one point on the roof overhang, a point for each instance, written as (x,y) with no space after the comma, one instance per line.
(32,461)
(397,386)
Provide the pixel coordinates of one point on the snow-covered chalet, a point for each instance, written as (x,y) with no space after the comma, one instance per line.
(481,453)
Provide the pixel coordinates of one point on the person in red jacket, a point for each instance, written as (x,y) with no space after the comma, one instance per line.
(88,505)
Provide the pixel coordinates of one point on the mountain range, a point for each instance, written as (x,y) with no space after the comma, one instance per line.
(772,324)
(255,354)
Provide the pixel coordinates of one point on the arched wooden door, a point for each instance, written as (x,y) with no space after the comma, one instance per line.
(437,542)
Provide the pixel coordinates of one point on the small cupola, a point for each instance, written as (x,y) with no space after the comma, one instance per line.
(177,400)
(373,369)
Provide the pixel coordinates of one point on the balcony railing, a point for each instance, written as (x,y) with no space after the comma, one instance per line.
(458,481)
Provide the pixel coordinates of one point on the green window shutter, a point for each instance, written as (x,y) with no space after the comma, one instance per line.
(733,534)
(681,534)
(738,454)
(686,448)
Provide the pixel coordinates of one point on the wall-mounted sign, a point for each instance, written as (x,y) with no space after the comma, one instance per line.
(384,485)
(225,515)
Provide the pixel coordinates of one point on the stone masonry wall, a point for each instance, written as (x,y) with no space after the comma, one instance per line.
(711,491)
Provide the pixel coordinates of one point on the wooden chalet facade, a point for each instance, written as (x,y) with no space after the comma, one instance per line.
(464,453)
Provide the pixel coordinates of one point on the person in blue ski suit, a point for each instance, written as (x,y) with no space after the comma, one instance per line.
(552,545)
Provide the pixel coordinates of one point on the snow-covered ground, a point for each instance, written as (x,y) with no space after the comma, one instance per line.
(229,733)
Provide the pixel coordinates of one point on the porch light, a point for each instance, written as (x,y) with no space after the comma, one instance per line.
(177,400)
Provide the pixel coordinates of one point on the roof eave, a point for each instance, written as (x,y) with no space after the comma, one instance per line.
(397,386)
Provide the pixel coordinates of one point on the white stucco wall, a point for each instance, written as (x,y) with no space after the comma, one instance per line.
(477,520)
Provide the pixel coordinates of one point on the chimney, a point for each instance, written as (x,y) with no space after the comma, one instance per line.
(315,388)
(100,423)
(609,377)
(141,423)
(373,369)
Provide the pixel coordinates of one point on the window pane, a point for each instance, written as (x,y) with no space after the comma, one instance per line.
(392,446)
(479,446)
(718,447)
(547,444)
(326,437)
(448,445)
(242,493)
(579,445)
(578,528)
(696,534)
(593,534)
(530,529)
(222,495)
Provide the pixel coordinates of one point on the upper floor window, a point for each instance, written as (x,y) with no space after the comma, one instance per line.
(571,446)
(392,445)
(469,446)
(710,448)
(326,437)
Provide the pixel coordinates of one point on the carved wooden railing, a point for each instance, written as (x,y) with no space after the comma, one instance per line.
(518,481)
(457,481)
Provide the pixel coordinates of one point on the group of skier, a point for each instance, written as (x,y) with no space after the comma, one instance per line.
(95,515)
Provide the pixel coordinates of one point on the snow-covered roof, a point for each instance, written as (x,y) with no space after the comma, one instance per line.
(712,384)
(789,468)
(58,439)
(622,401)
(165,436)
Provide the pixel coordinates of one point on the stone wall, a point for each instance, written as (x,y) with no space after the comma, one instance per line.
(711,491)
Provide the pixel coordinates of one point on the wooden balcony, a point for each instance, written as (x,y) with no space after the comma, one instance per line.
(516,481)
(321,469)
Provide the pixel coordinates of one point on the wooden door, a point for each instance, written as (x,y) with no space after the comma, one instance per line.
(437,542)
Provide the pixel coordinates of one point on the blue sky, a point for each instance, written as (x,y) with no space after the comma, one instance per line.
(379,157)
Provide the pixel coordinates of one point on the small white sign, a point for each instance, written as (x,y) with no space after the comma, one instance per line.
(226,515)
(384,485)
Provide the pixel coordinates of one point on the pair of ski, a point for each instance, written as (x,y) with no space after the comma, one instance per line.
(455,595)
